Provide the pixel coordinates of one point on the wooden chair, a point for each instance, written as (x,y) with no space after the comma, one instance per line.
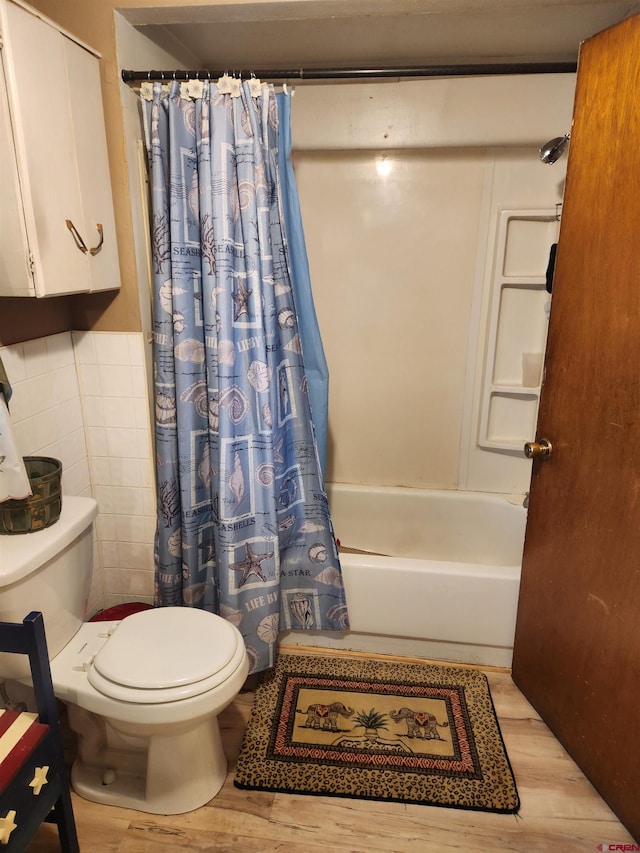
(34,782)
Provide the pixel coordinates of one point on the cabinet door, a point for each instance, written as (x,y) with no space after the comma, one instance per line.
(43,131)
(16,278)
(87,116)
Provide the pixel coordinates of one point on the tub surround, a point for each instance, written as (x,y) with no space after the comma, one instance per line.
(404,305)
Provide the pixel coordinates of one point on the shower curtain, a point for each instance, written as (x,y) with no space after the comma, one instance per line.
(315,363)
(244,528)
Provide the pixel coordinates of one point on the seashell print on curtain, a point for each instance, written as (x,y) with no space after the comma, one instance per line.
(244,528)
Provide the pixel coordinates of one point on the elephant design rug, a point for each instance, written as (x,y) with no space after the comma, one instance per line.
(379,730)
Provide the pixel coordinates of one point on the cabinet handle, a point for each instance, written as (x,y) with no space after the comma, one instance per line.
(76,236)
(97,248)
(80,242)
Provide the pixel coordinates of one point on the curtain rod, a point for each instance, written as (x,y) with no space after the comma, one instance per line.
(475,70)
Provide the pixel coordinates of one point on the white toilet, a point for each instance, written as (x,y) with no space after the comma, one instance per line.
(142,694)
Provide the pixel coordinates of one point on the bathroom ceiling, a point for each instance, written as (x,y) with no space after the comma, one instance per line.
(369,33)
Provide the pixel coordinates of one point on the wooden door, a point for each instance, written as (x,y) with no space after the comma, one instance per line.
(577,646)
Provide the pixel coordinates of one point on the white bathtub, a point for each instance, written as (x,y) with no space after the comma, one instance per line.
(442,577)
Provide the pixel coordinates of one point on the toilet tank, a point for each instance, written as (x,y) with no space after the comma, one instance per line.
(48,570)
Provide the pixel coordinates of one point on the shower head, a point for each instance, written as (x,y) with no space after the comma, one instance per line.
(554,149)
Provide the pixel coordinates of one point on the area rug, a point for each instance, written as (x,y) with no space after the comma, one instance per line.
(378,730)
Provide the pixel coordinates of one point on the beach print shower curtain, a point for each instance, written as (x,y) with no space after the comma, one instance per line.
(244,528)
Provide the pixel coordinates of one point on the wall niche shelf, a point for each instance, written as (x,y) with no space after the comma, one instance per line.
(518,321)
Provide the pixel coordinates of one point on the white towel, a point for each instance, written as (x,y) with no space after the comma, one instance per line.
(14,481)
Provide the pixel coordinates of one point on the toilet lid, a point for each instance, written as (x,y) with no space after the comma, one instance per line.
(166,650)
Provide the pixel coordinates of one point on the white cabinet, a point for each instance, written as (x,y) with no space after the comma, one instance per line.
(59,198)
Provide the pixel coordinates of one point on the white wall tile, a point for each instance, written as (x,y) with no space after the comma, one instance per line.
(41,394)
(35,357)
(128,499)
(120,412)
(144,444)
(25,436)
(136,583)
(124,472)
(69,448)
(59,353)
(100,472)
(97,441)
(104,496)
(136,350)
(93,408)
(150,523)
(76,479)
(69,416)
(149,502)
(112,348)
(110,556)
(106,525)
(13,359)
(90,380)
(116,380)
(84,347)
(136,555)
(64,383)
(122,442)
(139,387)
(131,528)
(142,414)
(147,473)
(112,579)
(96,591)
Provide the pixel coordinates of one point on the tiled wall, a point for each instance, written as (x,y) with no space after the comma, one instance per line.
(113,390)
(82,398)
(46,414)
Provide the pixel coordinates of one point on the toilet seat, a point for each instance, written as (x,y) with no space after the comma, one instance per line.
(165,655)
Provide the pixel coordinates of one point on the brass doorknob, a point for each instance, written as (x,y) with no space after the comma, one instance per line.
(538,450)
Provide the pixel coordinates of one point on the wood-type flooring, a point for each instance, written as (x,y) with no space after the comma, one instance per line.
(560,809)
